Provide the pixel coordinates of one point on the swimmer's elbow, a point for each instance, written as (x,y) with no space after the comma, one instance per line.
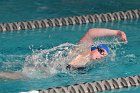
(87,38)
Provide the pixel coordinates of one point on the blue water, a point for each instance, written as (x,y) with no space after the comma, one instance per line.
(17,10)
(17,46)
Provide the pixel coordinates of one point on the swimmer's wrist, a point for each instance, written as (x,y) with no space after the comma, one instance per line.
(119,33)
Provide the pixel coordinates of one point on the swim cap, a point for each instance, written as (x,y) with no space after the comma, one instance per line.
(104,46)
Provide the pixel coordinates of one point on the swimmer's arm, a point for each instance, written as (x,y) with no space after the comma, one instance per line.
(101,32)
(11,75)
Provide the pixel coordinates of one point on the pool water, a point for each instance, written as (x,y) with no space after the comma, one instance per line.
(17,47)
(42,9)
(50,46)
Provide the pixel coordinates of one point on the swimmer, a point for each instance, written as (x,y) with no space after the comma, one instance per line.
(95,52)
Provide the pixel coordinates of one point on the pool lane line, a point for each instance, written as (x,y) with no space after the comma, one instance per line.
(95,18)
(95,86)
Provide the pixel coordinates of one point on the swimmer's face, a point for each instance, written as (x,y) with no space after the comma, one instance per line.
(98,53)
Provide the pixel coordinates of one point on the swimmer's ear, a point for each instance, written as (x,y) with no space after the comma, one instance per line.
(105,54)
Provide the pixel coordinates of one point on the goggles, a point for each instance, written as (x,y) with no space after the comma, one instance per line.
(100,50)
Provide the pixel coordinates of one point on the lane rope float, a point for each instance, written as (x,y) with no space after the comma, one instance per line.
(121,15)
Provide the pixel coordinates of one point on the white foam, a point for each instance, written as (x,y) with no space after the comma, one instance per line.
(33,91)
(44,63)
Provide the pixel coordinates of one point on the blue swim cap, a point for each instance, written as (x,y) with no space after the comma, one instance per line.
(104,46)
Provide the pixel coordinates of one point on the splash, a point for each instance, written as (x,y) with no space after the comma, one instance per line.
(11,62)
(44,63)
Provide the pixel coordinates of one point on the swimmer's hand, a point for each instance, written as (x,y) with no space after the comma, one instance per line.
(122,36)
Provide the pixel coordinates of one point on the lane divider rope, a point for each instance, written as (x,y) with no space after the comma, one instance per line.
(93,87)
(121,15)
